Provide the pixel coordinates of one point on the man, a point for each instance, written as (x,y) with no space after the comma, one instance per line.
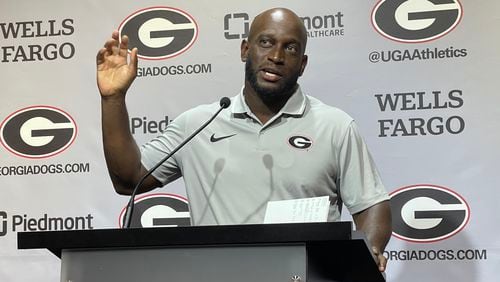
(274,143)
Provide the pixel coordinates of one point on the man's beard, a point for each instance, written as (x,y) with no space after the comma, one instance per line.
(270,95)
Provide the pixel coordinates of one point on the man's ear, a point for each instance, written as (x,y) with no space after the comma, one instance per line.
(244,50)
(303,64)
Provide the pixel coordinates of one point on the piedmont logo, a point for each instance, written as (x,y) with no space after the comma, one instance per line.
(245,20)
(3,223)
(38,132)
(237,25)
(159,210)
(159,32)
(416,21)
(24,223)
(427,213)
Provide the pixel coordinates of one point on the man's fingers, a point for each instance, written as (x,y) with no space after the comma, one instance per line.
(109,43)
(133,60)
(100,56)
(382,263)
(380,259)
(124,42)
(112,46)
(124,46)
(115,35)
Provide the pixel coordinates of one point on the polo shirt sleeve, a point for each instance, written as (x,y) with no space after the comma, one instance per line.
(155,150)
(360,184)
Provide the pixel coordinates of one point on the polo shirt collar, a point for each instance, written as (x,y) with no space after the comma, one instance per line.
(296,105)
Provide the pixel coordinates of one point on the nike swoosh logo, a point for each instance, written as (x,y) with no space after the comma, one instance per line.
(215,139)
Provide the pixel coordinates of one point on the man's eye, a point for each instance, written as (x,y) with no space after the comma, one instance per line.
(291,48)
(265,42)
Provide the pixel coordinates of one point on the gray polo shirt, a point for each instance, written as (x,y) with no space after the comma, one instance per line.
(236,165)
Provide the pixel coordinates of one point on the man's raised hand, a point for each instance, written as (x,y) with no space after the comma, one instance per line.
(115,69)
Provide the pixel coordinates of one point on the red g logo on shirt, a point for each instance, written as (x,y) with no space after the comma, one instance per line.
(300,142)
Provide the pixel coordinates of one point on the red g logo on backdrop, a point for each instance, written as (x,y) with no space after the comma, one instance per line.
(159,32)
(159,210)
(427,213)
(416,21)
(38,132)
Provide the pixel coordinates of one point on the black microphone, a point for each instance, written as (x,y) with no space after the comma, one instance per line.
(127,218)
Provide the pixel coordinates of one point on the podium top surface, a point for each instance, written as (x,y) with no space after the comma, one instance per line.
(55,241)
(326,243)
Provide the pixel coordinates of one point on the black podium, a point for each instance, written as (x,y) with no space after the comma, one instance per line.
(311,252)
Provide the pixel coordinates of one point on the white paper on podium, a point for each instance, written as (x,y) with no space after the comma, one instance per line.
(298,210)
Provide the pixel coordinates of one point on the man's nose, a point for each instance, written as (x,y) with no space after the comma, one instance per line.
(277,55)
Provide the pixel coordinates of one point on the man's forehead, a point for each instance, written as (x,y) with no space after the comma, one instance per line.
(276,18)
(278,22)
(277,15)
(272,26)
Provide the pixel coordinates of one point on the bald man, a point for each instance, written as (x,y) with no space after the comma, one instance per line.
(273,143)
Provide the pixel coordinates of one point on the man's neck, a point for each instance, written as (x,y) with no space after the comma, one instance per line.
(264,111)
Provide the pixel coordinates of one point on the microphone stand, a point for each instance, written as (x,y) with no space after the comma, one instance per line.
(127,218)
